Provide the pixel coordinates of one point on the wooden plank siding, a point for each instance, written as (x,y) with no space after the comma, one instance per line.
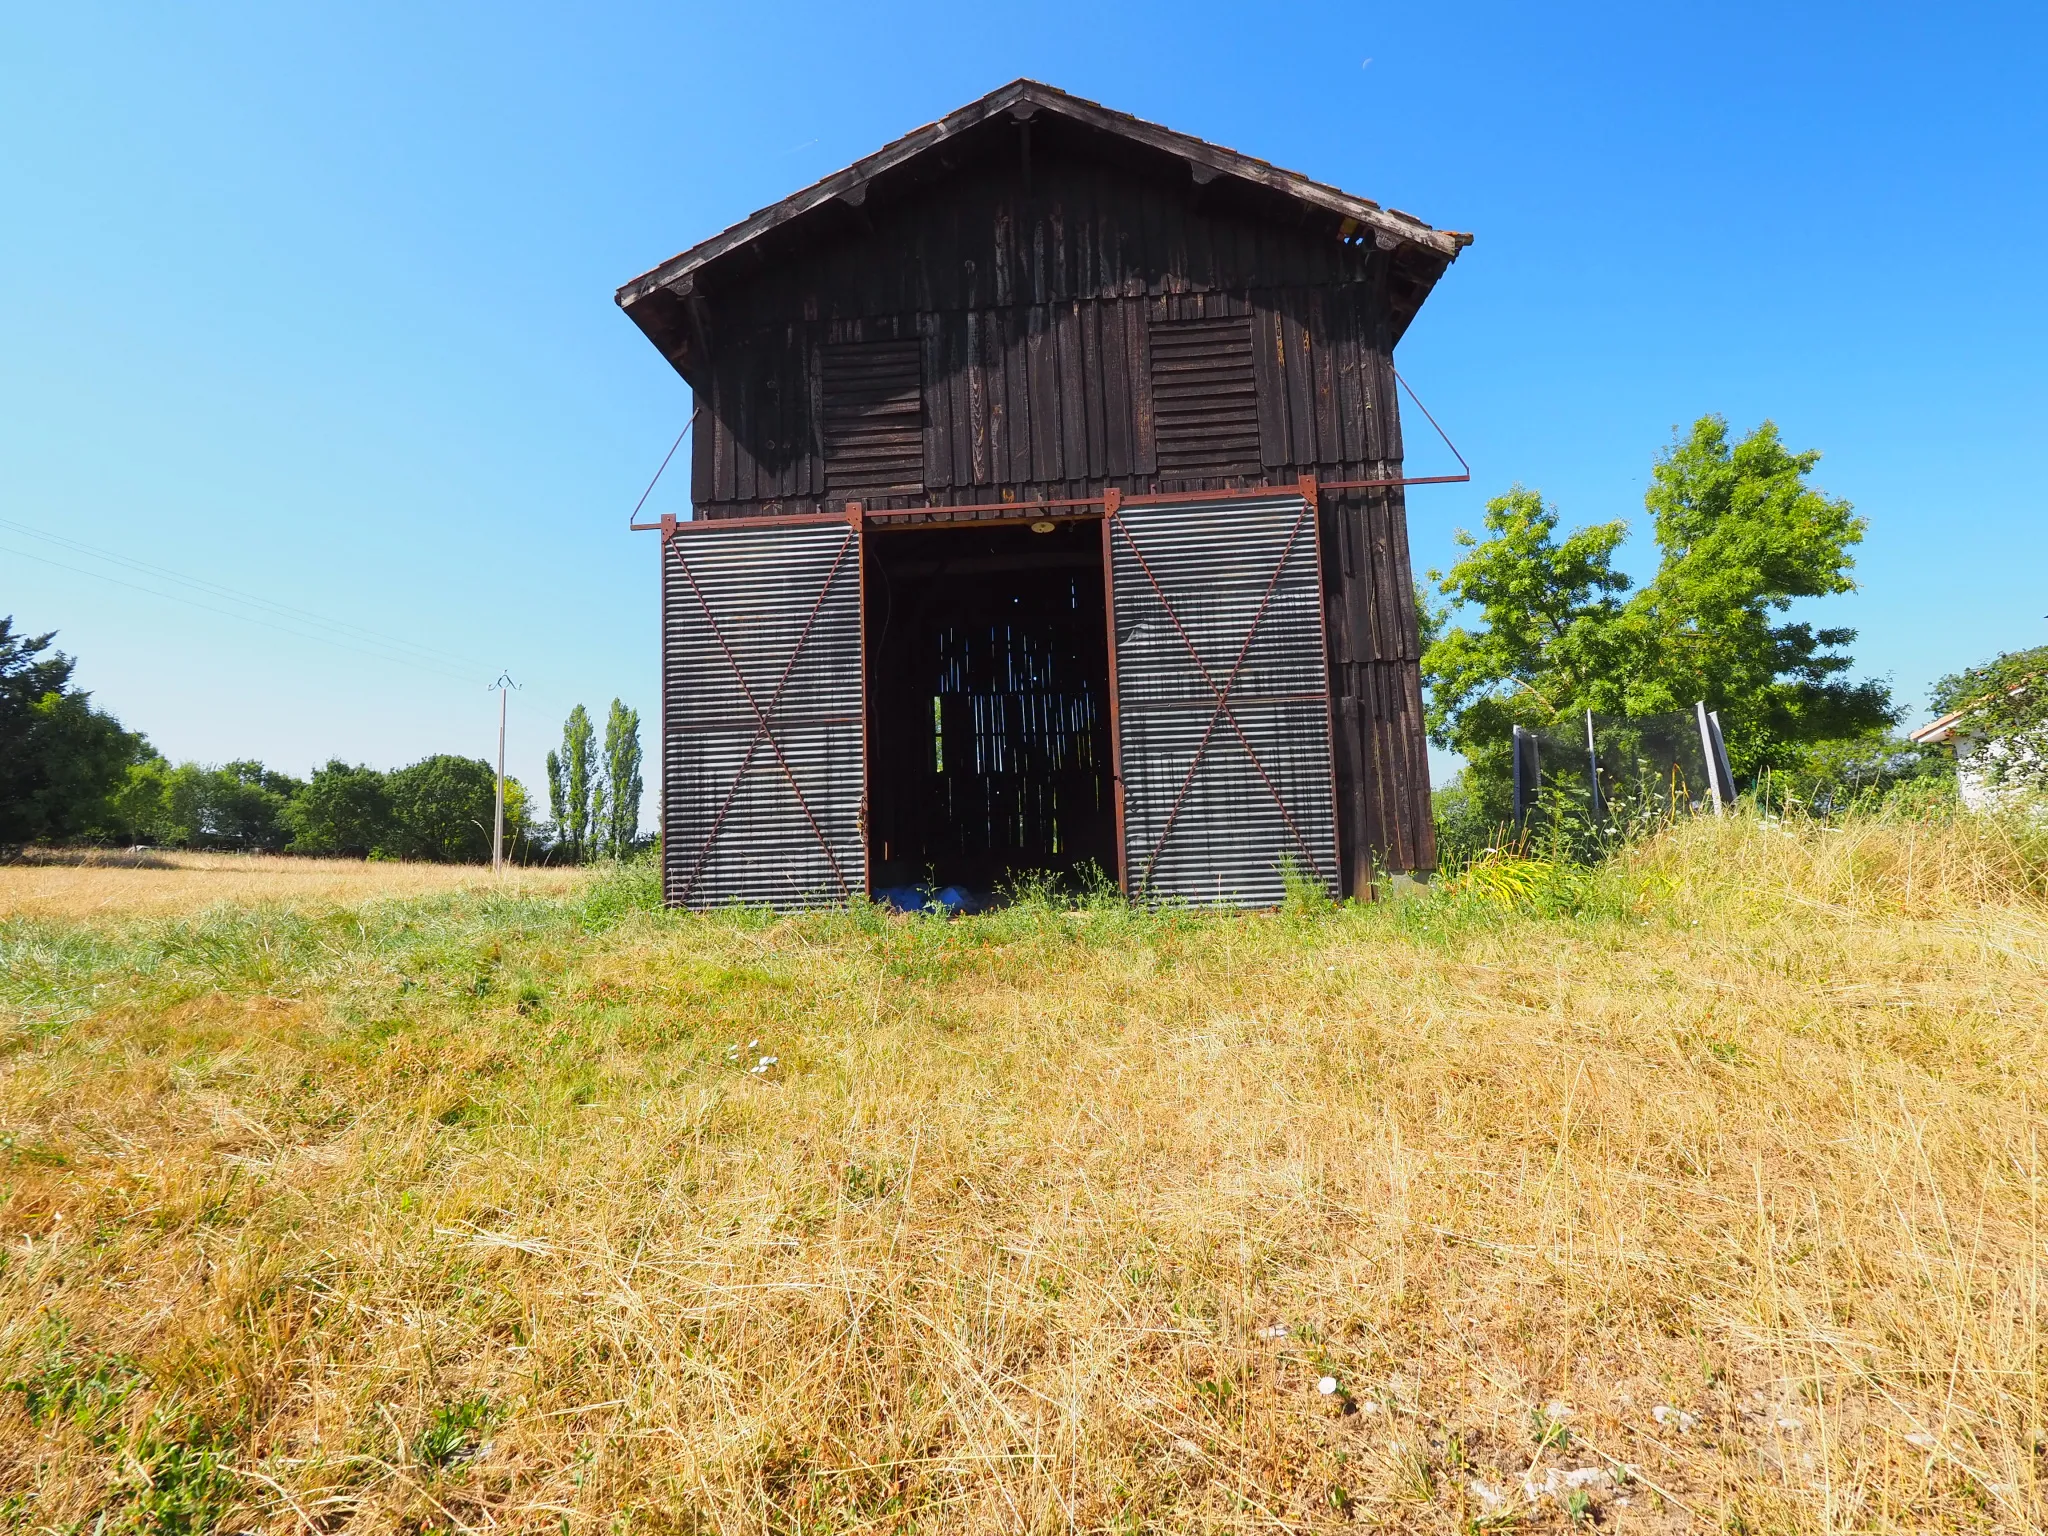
(1021,398)
(1040,322)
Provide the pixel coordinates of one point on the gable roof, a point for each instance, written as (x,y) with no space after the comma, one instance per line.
(1950,725)
(1025,100)
(1939,730)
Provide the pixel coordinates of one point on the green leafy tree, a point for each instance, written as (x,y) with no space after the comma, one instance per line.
(181,801)
(518,819)
(558,797)
(81,755)
(244,805)
(1875,768)
(622,788)
(575,822)
(29,669)
(2006,705)
(239,805)
(62,762)
(1554,640)
(341,810)
(1741,536)
(442,808)
(140,810)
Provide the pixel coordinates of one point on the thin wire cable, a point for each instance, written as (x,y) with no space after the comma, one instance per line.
(347,630)
(672,447)
(1440,432)
(389,656)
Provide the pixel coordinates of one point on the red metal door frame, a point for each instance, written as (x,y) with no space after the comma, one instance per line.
(1310,494)
(1106,509)
(1112,503)
(671,532)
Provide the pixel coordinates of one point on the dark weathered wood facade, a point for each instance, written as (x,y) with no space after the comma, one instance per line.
(1039,299)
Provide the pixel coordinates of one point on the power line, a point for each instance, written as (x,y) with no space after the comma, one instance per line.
(390,655)
(217,589)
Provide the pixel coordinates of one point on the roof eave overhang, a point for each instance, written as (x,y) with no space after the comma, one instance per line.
(1023,99)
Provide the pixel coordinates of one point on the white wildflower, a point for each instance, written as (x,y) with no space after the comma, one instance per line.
(1491,1497)
(1557,1482)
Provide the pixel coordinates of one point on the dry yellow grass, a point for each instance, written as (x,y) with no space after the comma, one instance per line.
(1713,1200)
(163,883)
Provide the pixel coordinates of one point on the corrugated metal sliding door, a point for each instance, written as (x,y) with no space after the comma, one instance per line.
(1223,703)
(763,735)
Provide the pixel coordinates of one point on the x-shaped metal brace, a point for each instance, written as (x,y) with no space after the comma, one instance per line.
(1222,714)
(764,730)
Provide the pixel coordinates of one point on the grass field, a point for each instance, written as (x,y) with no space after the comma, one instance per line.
(120,884)
(1701,1192)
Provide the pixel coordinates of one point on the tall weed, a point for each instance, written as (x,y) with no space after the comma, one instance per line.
(621,888)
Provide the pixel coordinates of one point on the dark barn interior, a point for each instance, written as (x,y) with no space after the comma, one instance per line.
(1039,310)
(988,706)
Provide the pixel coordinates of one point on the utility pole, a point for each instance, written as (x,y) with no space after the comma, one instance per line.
(502,686)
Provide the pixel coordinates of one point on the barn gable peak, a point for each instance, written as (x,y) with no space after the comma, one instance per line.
(927,154)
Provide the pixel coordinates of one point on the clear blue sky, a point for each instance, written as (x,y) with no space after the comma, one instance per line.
(314,303)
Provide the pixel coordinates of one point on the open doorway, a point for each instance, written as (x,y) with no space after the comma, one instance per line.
(988,707)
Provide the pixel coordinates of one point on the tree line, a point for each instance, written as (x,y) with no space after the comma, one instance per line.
(1540,627)
(593,797)
(71,773)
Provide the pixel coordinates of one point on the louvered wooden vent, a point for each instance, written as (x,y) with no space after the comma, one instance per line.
(1205,403)
(873,418)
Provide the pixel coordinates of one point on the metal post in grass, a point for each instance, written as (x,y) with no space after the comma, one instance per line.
(503,685)
(1592,768)
(1707,752)
(1528,775)
(1717,760)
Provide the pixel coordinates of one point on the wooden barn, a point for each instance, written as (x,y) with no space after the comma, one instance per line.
(1047,513)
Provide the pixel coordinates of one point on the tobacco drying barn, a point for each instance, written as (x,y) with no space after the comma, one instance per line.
(1046,513)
